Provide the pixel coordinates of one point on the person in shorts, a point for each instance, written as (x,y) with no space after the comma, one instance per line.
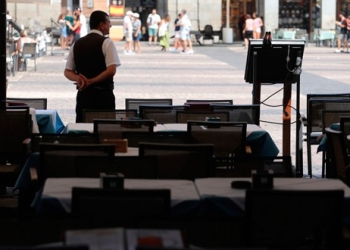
(137,33)
(248,29)
(343,34)
(153,21)
(127,24)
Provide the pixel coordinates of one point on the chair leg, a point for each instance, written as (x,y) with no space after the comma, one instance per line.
(323,163)
(309,164)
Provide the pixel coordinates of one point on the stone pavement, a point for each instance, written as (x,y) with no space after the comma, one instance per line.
(212,72)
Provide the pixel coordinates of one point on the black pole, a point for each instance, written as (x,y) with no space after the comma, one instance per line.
(3,55)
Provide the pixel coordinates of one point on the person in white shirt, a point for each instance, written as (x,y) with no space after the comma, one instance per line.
(127,25)
(185,28)
(153,21)
(83,27)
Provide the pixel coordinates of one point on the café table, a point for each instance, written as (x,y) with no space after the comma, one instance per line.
(57,194)
(220,199)
(257,138)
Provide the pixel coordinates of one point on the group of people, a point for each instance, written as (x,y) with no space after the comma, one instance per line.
(344,33)
(252,28)
(157,27)
(72,27)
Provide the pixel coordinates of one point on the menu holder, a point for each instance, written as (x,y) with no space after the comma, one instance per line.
(121,145)
(262,179)
(112,180)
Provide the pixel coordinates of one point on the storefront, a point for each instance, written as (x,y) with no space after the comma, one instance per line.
(300,14)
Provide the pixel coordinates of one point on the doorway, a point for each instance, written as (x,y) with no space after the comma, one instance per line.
(238,9)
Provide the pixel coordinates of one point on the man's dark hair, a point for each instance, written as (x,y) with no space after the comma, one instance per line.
(96,18)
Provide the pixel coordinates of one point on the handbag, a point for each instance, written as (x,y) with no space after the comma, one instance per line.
(161,31)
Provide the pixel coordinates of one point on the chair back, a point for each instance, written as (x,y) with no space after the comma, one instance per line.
(241,113)
(36,103)
(337,162)
(37,139)
(211,101)
(132,167)
(286,219)
(59,160)
(161,114)
(119,114)
(29,50)
(15,127)
(113,129)
(134,103)
(345,128)
(228,138)
(119,207)
(184,116)
(330,117)
(180,161)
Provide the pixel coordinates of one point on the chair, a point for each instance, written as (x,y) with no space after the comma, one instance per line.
(184,116)
(208,32)
(10,61)
(161,114)
(313,121)
(134,167)
(36,103)
(37,139)
(289,219)
(288,34)
(345,128)
(337,158)
(180,161)
(59,160)
(134,103)
(228,139)
(119,207)
(119,114)
(15,128)
(29,52)
(240,113)
(229,102)
(113,129)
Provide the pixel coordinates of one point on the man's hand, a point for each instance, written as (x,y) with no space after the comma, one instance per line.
(83,82)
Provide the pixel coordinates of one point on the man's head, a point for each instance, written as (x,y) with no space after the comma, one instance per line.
(100,20)
(154,11)
(77,10)
(341,15)
(129,13)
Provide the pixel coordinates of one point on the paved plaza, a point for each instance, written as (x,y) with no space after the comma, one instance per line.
(212,72)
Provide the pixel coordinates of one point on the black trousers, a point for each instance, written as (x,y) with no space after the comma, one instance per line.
(92,98)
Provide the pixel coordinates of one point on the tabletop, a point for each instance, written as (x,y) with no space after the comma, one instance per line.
(61,189)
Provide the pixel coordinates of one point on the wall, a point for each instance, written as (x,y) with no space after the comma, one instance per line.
(328,14)
(271,15)
(34,16)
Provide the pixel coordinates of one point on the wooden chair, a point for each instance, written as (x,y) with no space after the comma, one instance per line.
(228,139)
(289,219)
(337,161)
(59,160)
(211,101)
(119,114)
(119,207)
(180,161)
(240,113)
(37,139)
(135,103)
(15,128)
(330,117)
(345,128)
(313,121)
(134,167)
(36,103)
(28,53)
(184,116)
(161,114)
(113,129)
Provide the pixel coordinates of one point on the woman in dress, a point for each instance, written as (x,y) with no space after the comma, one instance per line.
(63,37)
(164,32)
(258,23)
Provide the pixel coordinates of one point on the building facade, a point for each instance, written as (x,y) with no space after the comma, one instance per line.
(301,14)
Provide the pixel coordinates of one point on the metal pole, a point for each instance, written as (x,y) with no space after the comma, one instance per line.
(3,55)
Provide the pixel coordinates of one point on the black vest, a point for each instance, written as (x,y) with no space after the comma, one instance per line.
(89,59)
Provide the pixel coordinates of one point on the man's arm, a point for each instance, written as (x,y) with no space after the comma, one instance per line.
(85,82)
